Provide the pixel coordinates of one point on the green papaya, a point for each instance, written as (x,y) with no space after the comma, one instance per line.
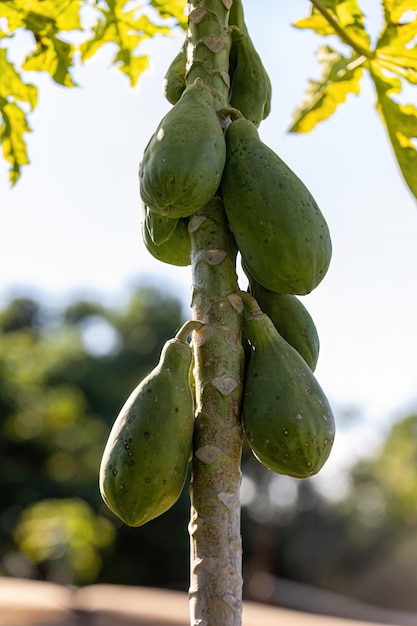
(176,249)
(286,416)
(250,86)
(279,229)
(160,227)
(174,79)
(145,461)
(291,319)
(183,162)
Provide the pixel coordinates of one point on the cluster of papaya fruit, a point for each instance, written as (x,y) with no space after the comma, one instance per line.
(285,248)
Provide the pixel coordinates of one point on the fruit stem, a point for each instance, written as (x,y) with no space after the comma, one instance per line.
(250,306)
(345,37)
(187,328)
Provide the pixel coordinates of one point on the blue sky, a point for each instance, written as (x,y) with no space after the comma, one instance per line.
(71,226)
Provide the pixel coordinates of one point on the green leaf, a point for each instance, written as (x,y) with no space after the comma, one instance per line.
(348,16)
(172,8)
(340,76)
(12,88)
(54,56)
(395,9)
(35,15)
(132,66)
(400,121)
(12,131)
(127,29)
(45,20)
(13,122)
(395,49)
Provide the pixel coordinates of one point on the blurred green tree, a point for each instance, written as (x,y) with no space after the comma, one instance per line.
(63,377)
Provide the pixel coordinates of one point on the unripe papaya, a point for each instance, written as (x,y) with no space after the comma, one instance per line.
(279,229)
(250,88)
(291,319)
(145,461)
(287,418)
(183,162)
(174,79)
(176,249)
(159,227)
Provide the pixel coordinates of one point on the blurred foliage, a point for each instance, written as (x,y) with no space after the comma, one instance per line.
(64,375)
(62,33)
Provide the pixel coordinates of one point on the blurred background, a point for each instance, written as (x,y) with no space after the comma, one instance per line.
(65,372)
(85,310)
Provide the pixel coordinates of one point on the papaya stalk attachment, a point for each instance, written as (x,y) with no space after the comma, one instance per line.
(187,328)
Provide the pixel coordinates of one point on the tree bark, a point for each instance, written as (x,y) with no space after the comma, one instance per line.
(215,539)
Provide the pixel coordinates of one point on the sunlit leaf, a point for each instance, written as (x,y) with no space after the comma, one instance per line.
(12,86)
(67,531)
(396,49)
(133,67)
(348,16)
(54,56)
(316,22)
(126,29)
(12,132)
(172,8)
(34,15)
(14,17)
(340,77)
(400,121)
(13,121)
(395,9)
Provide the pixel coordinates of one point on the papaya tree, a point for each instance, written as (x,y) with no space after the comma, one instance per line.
(212,190)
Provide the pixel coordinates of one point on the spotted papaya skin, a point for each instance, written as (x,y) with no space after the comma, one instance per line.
(291,319)
(250,88)
(279,229)
(174,79)
(182,164)
(286,416)
(145,461)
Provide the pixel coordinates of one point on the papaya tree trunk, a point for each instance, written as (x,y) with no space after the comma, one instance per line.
(216,552)
(215,537)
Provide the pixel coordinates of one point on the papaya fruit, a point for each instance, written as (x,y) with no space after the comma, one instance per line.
(181,166)
(250,86)
(291,319)
(286,416)
(176,249)
(279,229)
(145,460)
(174,79)
(159,227)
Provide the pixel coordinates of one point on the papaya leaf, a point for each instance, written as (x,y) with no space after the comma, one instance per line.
(54,56)
(127,29)
(395,9)
(396,50)
(132,66)
(13,121)
(343,18)
(12,128)
(34,15)
(400,121)
(12,88)
(45,20)
(340,76)
(171,8)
